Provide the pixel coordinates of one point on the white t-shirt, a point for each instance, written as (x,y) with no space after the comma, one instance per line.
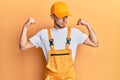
(59,36)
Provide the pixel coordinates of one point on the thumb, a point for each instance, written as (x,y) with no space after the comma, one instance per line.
(32,21)
(79,21)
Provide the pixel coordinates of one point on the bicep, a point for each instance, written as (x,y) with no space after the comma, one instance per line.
(88,42)
(27,46)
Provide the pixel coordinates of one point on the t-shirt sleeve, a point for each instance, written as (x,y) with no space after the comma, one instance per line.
(36,39)
(80,36)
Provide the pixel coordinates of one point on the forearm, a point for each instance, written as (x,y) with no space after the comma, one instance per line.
(92,35)
(23,38)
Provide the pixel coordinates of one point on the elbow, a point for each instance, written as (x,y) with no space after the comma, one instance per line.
(96,45)
(22,48)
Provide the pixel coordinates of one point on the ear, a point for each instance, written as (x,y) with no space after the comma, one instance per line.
(52,16)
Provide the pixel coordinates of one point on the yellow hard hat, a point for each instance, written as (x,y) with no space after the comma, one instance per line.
(60,9)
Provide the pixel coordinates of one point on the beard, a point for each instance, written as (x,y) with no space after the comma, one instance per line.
(58,25)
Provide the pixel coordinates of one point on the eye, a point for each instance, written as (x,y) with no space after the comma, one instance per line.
(65,16)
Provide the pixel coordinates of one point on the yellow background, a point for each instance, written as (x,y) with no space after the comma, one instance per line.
(100,63)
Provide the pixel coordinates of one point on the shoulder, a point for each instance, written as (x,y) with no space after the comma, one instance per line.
(75,30)
(41,32)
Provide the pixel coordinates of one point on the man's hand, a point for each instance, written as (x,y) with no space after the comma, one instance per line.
(82,22)
(29,22)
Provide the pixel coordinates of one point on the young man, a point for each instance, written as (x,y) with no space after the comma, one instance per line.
(59,43)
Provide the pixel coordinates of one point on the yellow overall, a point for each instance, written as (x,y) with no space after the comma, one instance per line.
(60,63)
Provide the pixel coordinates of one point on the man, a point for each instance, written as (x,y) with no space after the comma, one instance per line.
(59,43)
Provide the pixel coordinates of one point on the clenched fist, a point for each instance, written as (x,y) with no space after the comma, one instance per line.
(29,22)
(82,22)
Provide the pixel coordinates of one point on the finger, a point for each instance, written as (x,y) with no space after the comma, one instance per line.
(32,21)
(78,23)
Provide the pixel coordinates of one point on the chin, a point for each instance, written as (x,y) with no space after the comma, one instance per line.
(63,26)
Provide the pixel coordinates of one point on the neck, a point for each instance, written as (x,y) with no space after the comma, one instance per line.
(58,27)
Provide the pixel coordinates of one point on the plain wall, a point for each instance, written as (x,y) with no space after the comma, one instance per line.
(101,63)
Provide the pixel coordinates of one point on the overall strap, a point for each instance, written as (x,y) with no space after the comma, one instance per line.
(50,39)
(68,39)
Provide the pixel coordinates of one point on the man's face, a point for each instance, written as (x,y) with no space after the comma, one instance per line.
(60,22)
